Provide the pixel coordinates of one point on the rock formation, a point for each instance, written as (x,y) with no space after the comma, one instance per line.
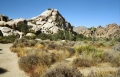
(50,21)
(8,26)
(110,31)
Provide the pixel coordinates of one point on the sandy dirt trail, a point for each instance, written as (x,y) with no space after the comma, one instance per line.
(9,61)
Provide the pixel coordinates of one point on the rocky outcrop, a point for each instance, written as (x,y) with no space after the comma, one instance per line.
(8,26)
(8,31)
(4,18)
(79,28)
(50,21)
(110,31)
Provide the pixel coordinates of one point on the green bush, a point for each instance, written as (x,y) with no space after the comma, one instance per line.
(44,36)
(8,39)
(23,28)
(87,49)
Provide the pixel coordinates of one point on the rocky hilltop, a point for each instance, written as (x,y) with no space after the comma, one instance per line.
(50,21)
(109,31)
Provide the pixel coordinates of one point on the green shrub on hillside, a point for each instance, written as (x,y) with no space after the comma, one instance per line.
(8,39)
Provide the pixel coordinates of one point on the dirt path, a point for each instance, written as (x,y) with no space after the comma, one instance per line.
(8,61)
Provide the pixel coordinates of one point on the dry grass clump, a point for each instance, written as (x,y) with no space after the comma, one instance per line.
(112,57)
(83,62)
(78,62)
(39,46)
(21,46)
(71,51)
(87,56)
(32,65)
(101,73)
(24,43)
(62,70)
(20,51)
(47,57)
(118,72)
(100,44)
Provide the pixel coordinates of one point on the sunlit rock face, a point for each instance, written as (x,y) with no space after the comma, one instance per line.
(50,21)
(109,31)
(8,26)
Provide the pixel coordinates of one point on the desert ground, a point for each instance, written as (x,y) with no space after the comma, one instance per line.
(8,61)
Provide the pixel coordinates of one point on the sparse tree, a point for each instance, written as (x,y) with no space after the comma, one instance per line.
(23,28)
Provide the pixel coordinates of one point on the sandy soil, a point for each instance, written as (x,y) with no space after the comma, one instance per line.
(8,61)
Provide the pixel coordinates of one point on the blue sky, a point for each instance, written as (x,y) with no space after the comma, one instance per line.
(78,12)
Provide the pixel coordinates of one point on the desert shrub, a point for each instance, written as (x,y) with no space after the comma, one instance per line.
(118,39)
(71,51)
(62,70)
(85,41)
(87,49)
(23,42)
(83,62)
(99,74)
(112,43)
(39,46)
(44,36)
(29,37)
(118,72)
(20,51)
(33,65)
(112,57)
(59,45)
(8,39)
(115,61)
(100,44)
(116,47)
(51,46)
(107,56)
(47,57)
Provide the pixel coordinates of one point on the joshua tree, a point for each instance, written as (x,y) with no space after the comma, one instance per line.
(92,32)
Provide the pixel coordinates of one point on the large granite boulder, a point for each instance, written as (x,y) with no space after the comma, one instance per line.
(50,21)
(30,34)
(2,23)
